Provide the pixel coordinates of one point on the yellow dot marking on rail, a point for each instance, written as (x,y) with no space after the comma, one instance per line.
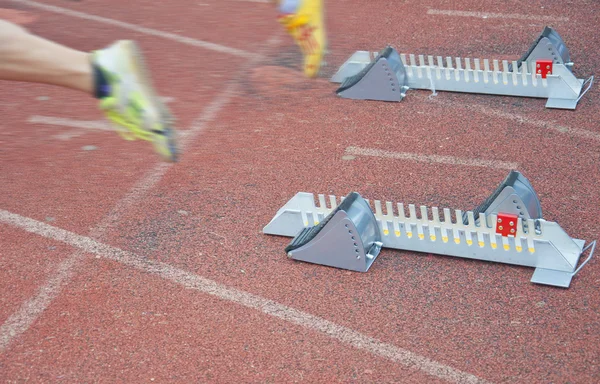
(506,247)
(457,240)
(397,233)
(481,244)
(494,246)
(519,249)
(445,239)
(386,232)
(531,250)
(409,234)
(421,236)
(432,237)
(470,242)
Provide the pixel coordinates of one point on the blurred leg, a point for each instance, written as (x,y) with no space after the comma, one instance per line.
(304,20)
(30,58)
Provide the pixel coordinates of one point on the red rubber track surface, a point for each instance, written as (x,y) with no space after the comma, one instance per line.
(276,134)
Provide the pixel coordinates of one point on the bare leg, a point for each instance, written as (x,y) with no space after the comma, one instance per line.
(115,75)
(30,58)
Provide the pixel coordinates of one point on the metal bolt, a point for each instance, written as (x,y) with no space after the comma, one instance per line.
(499,220)
(500,227)
(512,231)
(547,67)
(512,224)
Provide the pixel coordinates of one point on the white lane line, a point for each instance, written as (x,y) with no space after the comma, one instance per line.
(137,28)
(490,15)
(21,320)
(430,158)
(544,124)
(99,125)
(31,309)
(269,307)
(93,125)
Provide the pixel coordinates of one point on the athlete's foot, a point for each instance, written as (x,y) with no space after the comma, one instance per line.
(129,100)
(307,27)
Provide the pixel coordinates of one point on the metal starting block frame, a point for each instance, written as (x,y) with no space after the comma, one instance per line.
(506,228)
(544,71)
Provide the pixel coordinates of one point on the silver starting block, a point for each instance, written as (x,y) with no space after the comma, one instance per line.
(384,78)
(348,237)
(507,228)
(544,71)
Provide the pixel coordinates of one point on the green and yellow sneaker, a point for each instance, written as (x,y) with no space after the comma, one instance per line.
(129,100)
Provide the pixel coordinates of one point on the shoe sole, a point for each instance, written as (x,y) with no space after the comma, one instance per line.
(138,62)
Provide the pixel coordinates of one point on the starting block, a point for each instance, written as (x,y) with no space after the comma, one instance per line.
(382,79)
(507,228)
(544,71)
(347,238)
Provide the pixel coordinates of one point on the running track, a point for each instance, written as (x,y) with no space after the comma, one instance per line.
(115,267)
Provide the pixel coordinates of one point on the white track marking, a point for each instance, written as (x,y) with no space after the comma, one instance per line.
(490,15)
(544,124)
(431,158)
(81,125)
(269,307)
(98,125)
(21,320)
(93,125)
(137,28)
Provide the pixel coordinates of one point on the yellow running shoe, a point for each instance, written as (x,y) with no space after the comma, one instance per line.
(307,27)
(128,98)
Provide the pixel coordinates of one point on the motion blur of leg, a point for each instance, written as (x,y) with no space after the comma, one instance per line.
(304,20)
(115,75)
(26,57)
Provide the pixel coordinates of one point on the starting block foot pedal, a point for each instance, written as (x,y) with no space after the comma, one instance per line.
(548,46)
(384,79)
(348,238)
(515,195)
